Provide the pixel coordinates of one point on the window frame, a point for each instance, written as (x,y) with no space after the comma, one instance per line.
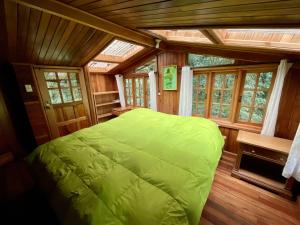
(135,76)
(238,88)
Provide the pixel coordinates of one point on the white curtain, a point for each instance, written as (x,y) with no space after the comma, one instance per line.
(272,110)
(152,82)
(186,92)
(292,166)
(120,85)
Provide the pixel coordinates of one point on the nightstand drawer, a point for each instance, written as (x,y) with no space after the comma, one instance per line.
(266,154)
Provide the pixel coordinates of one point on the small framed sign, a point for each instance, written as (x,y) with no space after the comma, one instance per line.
(170,78)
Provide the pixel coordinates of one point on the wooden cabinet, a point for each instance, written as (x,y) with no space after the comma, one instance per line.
(104,104)
(260,161)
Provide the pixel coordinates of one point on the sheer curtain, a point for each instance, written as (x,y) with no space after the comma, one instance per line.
(120,85)
(186,92)
(292,166)
(152,82)
(272,110)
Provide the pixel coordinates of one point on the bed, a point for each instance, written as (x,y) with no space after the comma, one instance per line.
(142,168)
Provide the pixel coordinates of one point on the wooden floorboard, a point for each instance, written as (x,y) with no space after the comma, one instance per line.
(232,201)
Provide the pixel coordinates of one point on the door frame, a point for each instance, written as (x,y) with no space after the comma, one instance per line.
(43,90)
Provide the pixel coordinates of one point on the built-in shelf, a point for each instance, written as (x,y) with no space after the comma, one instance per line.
(106,92)
(107,103)
(104,115)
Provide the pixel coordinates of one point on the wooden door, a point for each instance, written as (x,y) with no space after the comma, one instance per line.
(65,100)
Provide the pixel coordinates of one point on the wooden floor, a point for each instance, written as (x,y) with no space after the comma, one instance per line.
(232,201)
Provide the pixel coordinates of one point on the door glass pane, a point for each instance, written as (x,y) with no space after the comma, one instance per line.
(52,84)
(201,109)
(216,96)
(62,75)
(77,94)
(218,81)
(50,75)
(55,96)
(244,114)
(203,80)
(227,96)
(247,98)
(265,80)
(67,96)
(229,81)
(64,83)
(261,98)
(250,81)
(257,115)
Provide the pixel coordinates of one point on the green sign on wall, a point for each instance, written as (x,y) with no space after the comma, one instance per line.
(170,78)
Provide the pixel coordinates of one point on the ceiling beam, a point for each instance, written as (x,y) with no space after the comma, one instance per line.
(234,52)
(68,12)
(212,36)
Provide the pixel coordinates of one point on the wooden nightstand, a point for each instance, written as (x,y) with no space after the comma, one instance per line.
(260,161)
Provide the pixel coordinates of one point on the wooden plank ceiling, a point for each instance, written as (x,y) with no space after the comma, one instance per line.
(194,13)
(41,38)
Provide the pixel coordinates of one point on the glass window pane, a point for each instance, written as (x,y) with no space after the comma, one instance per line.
(215,110)
(247,98)
(50,75)
(265,80)
(201,96)
(244,113)
(194,109)
(52,84)
(77,94)
(203,80)
(54,96)
(227,97)
(218,81)
(225,111)
(216,98)
(73,76)
(257,115)
(67,96)
(229,81)
(195,81)
(62,75)
(201,109)
(250,81)
(64,83)
(261,98)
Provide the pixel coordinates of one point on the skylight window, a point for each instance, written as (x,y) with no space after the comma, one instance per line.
(194,36)
(98,66)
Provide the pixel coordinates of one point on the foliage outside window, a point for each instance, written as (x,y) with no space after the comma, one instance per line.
(255,96)
(137,91)
(63,87)
(147,67)
(196,60)
(216,95)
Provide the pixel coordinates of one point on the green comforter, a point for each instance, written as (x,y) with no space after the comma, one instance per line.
(142,168)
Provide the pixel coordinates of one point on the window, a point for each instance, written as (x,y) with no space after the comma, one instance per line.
(199,94)
(137,91)
(63,87)
(147,67)
(217,95)
(254,96)
(206,60)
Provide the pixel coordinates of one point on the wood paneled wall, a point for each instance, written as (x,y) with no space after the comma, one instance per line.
(102,82)
(289,109)
(31,100)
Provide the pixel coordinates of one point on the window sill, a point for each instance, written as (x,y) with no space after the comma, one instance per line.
(238,126)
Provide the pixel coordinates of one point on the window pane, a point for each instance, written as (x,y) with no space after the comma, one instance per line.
(196,60)
(227,97)
(52,84)
(64,83)
(229,81)
(201,109)
(201,96)
(203,80)
(62,75)
(216,98)
(225,111)
(257,115)
(250,81)
(54,96)
(265,80)
(50,75)
(247,98)
(194,109)
(261,98)
(218,81)
(73,76)
(77,94)
(215,110)
(67,96)
(244,113)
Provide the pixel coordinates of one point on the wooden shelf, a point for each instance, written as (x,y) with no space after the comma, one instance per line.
(107,103)
(106,92)
(104,115)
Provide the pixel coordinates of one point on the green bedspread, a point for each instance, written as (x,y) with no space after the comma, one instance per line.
(142,168)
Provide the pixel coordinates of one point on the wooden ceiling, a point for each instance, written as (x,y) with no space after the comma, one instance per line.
(193,13)
(41,38)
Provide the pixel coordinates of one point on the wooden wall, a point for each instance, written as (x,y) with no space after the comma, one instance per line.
(102,82)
